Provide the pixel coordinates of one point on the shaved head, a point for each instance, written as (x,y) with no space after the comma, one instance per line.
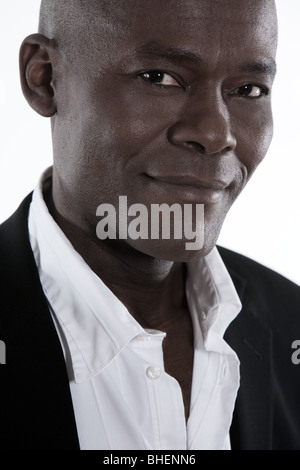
(69,22)
(57,19)
(57,15)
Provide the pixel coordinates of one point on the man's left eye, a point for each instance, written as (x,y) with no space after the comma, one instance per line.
(250,91)
(159,78)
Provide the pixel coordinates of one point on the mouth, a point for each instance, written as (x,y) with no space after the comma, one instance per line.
(189,188)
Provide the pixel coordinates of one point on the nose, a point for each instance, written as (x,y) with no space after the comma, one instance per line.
(204,125)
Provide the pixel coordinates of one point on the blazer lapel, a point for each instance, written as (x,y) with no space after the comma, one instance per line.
(252,341)
(38,412)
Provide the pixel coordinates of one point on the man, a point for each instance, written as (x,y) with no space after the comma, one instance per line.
(117,342)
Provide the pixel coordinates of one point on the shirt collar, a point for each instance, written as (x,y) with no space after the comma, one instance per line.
(96,325)
(212,299)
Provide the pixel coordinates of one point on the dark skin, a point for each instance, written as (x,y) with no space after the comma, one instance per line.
(172,110)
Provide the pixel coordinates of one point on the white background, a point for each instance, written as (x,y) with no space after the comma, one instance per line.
(265,221)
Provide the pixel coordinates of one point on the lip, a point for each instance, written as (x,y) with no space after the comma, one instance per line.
(190,188)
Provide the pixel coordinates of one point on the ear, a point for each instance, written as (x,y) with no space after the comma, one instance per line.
(36,73)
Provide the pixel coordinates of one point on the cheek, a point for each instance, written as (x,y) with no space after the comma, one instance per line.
(119,127)
(254,134)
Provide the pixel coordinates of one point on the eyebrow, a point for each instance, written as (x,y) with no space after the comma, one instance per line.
(170,53)
(174,54)
(267,67)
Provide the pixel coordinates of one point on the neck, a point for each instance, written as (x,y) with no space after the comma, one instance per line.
(152,290)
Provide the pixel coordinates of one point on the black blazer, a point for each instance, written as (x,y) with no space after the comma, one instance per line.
(36,409)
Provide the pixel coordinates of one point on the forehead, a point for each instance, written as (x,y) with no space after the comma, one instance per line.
(199,13)
(209,24)
(214,28)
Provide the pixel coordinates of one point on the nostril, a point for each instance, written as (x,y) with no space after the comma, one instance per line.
(196,145)
(192,145)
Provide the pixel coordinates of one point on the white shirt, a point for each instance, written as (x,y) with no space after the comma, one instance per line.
(122,397)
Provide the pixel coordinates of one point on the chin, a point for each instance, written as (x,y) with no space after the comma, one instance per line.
(172,250)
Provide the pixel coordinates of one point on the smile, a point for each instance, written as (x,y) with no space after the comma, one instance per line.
(189,188)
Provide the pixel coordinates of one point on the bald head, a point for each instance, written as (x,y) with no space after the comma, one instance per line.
(69,22)
(56,15)
(60,18)
(59,15)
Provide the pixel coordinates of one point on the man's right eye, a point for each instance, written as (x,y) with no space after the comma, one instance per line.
(159,78)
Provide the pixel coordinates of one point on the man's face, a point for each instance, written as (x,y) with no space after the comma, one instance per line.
(167,103)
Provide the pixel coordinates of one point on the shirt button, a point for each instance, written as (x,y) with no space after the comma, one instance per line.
(153,373)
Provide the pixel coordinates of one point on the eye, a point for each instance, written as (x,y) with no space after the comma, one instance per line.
(159,78)
(250,91)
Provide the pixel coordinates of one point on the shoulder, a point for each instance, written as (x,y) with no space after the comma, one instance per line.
(255,273)
(18,272)
(13,229)
(263,288)
(14,240)
(264,335)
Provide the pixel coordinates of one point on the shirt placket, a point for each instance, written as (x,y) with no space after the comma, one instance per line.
(164,397)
